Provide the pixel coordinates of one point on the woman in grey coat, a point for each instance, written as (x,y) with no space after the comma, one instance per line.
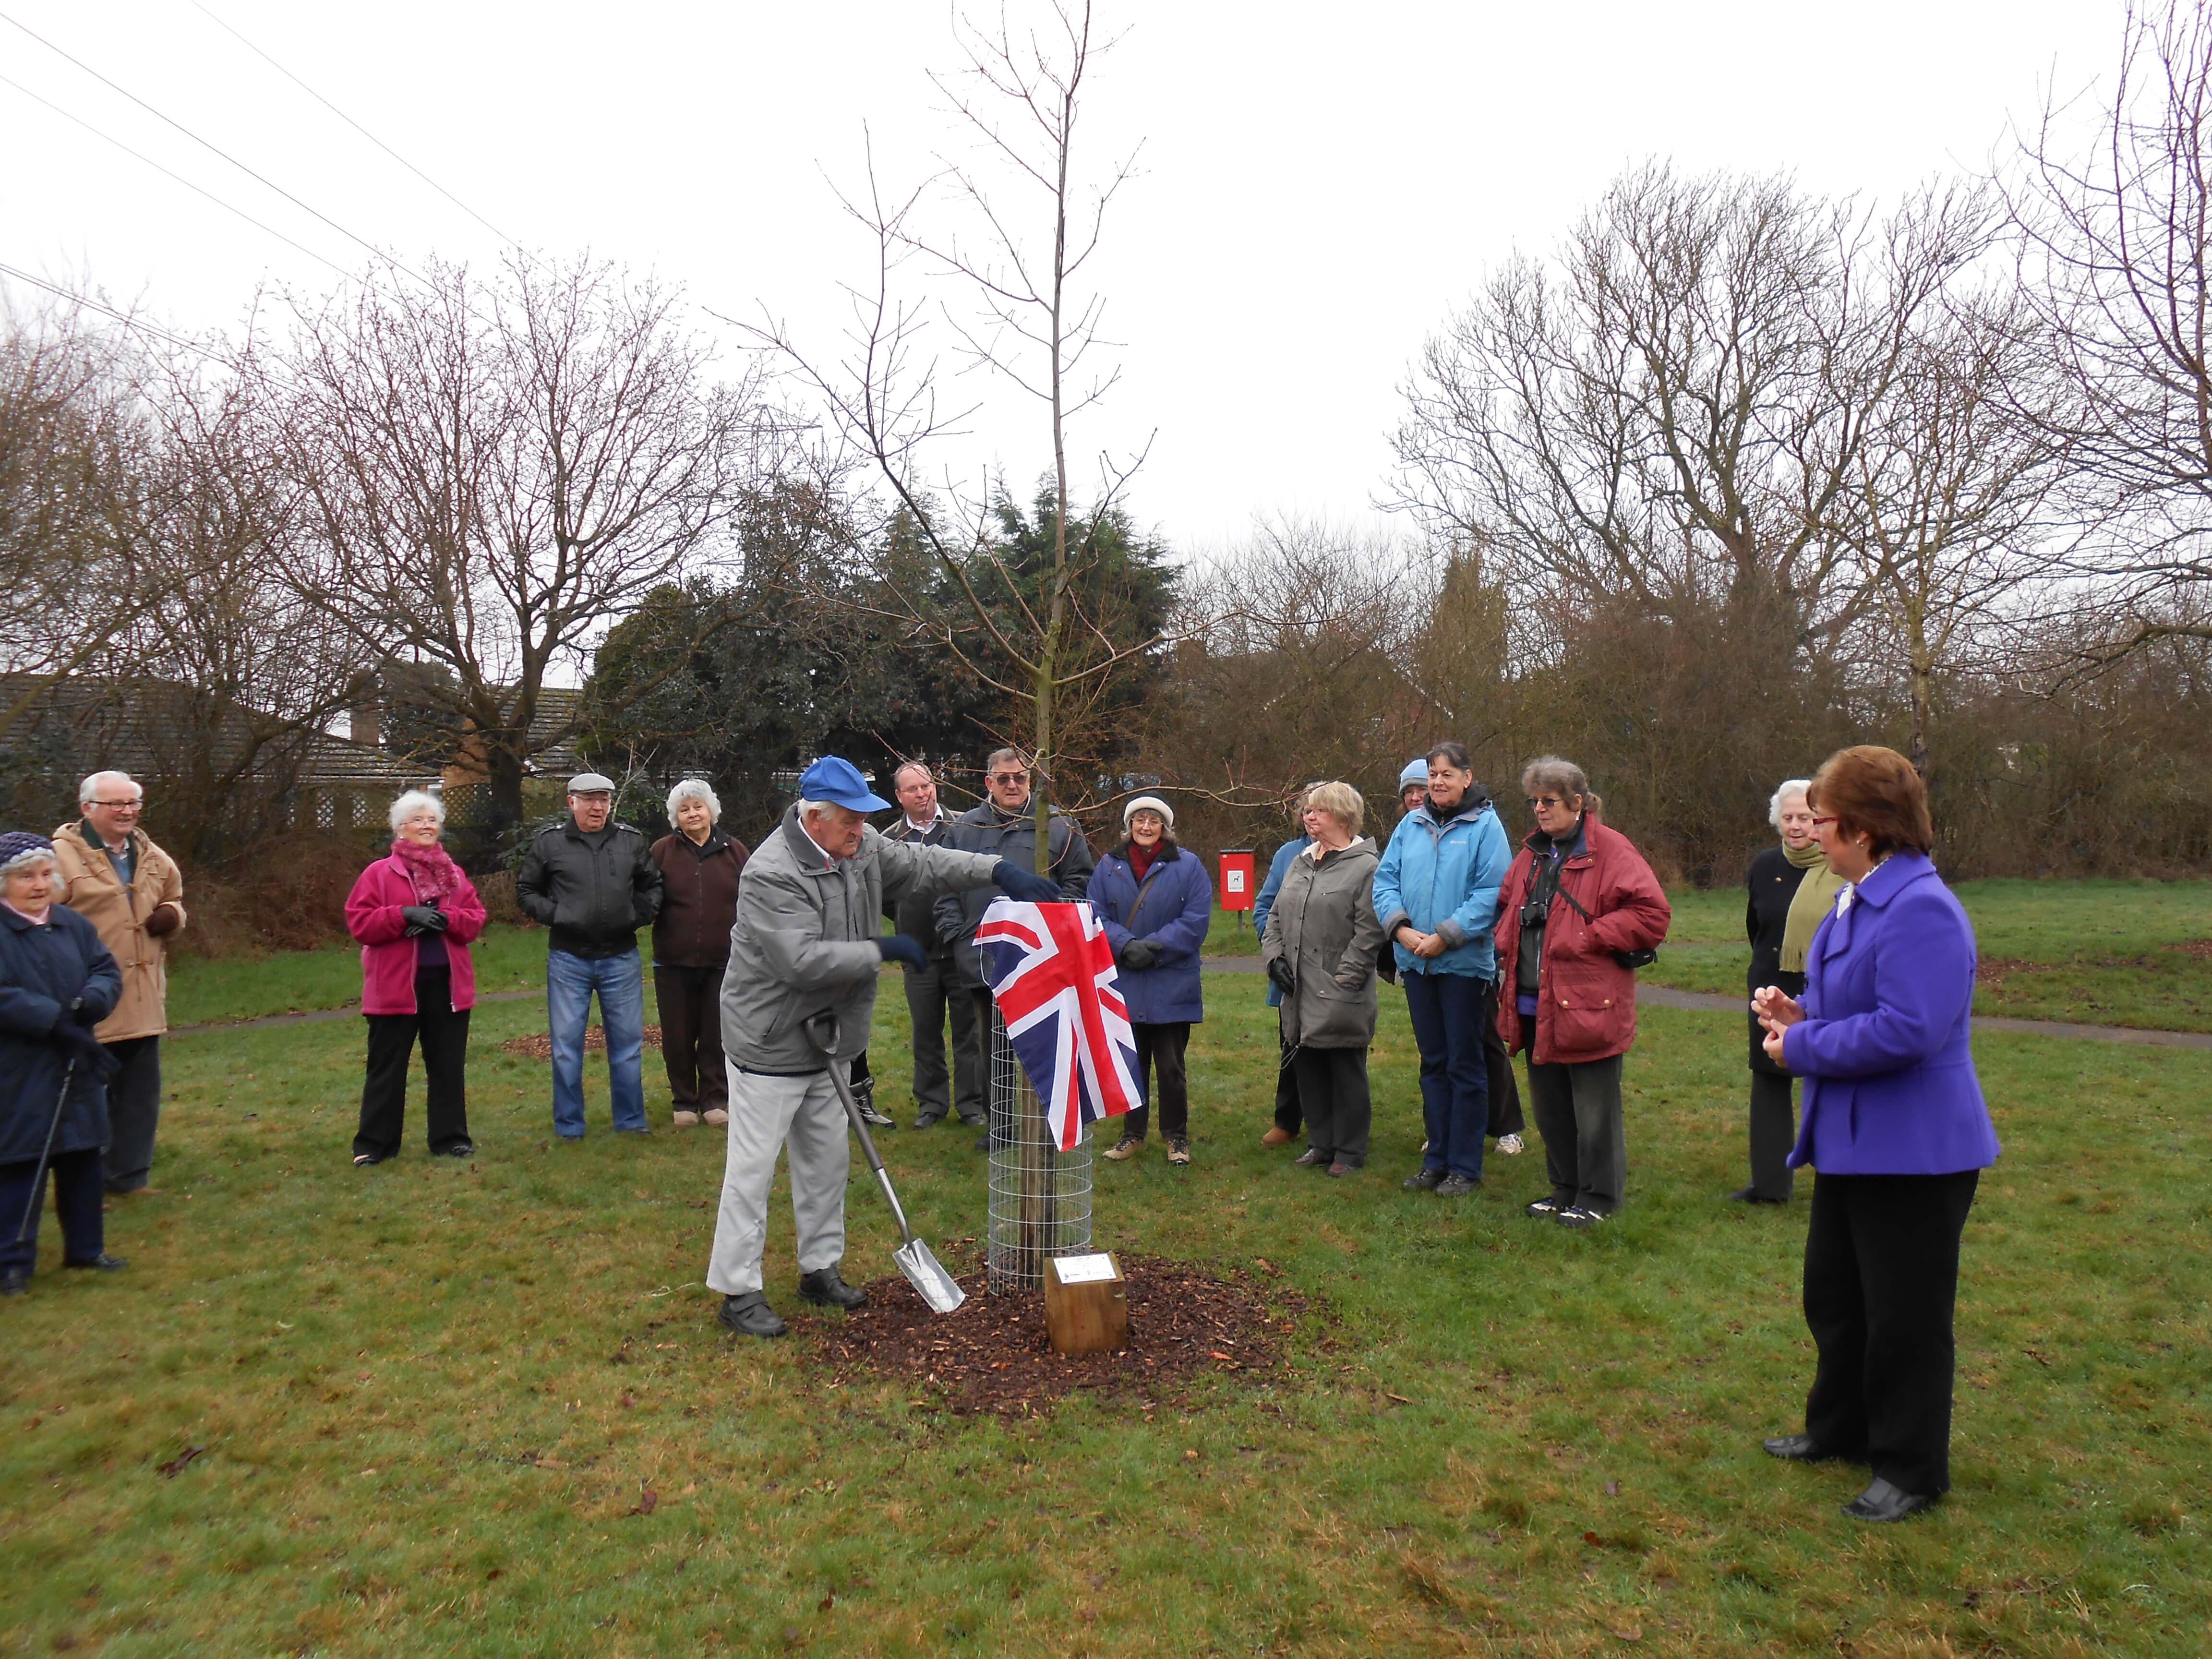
(1320,948)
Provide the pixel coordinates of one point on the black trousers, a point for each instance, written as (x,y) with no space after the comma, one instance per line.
(444,1035)
(972,1058)
(1505,1117)
(134,1112)
(1162,1074)
(690,1001)
(1773,1133)
(1289,1116)
(1881,1280)
(1333,1090)
(931,995)
(78,1199)
(1578,1111)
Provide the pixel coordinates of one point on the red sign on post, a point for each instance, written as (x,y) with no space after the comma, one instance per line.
(1238,890)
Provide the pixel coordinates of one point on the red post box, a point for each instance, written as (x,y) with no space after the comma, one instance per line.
(1238,890)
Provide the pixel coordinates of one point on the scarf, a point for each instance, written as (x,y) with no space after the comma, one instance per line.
(1816,896)
(1141,859)
(430,868)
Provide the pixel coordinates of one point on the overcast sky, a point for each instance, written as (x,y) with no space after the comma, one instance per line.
(1318,184)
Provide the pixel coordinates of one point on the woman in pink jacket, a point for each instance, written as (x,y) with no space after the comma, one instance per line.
(415,913)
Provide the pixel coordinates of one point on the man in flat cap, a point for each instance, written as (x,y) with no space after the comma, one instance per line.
(808,940)
(594,884)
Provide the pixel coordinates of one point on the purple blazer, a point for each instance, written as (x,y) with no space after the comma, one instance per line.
(1889,1080)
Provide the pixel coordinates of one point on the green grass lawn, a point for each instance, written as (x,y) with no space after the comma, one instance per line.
(204,991)
(431,1396)
(2104,952)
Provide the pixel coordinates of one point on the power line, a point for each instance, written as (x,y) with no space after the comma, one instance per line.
(179,177)
(354,124)
(256,177)
(122,317)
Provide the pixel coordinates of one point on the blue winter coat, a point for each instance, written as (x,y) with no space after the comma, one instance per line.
(1442,878)
(1172,910)
(42,971)
(1265,902)
(1889,995)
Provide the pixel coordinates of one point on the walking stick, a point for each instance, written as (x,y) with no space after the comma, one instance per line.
(38,1178)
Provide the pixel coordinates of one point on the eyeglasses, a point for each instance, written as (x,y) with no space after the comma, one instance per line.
(1010,777)
(1537,803)
(119,805)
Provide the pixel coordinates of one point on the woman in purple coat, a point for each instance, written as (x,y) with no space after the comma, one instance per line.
(1895,1127)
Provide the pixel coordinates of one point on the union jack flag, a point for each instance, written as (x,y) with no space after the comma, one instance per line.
(1052,971)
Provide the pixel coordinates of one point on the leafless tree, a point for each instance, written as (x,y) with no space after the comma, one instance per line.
(1025,230)
(492,471)
(2116,255)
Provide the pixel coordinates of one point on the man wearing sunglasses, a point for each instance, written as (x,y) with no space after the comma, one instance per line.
(1005,826)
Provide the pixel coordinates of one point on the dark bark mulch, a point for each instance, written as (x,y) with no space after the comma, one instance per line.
(992,1355)
(538,1045)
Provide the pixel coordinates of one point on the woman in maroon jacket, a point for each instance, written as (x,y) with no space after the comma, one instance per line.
(1578,906)
(699,870)
(415,913)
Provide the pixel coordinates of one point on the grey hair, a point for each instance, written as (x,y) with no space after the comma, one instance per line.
(997,755)
(1550,772)
(414,801)
(1789,786)
(696,789)
(813,809)
(89,791)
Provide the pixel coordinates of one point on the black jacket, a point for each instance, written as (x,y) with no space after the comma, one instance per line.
(42,971)
(915,916)
(985,830)
(594,898)
(1773,881)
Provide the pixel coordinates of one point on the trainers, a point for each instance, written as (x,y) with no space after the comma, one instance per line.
(1179,1152)
(1509,1145)
(1458,1186)
(1544,1207)
(1579,1218)
(874,1119)
(459,1149)
(1422,1180)
(684,1120)
(1126,1150)
(750,1315)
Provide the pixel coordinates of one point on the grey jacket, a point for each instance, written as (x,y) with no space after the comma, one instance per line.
(1324,924)
(804,940)
(985,830)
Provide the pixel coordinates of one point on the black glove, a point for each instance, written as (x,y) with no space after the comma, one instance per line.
(1279,971)
(86,1050)
(79,1014)
(901,948)
(425,918)
(1139,954)
(1025,885)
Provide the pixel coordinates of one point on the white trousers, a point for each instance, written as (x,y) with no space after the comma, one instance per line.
(768,1114)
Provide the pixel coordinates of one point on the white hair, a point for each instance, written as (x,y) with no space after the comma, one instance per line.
(812,808)
(696,789)
(1789,786)
(89,791)
(414,801)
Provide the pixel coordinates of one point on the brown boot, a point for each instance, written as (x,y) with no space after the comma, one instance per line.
(1278,1136)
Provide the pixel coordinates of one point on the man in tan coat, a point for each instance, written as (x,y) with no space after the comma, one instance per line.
(113,875)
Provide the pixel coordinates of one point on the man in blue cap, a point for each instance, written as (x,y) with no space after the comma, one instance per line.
(808,941)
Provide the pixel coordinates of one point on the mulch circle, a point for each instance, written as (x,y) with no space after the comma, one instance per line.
(538,1045)
(992,1354)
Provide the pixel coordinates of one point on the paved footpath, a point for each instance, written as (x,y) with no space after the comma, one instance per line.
(1662,996)
(1659,996)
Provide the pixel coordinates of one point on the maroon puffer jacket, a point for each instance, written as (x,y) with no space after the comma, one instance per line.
(1585,1001)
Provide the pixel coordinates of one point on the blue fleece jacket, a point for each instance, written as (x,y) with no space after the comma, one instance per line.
(1443,877)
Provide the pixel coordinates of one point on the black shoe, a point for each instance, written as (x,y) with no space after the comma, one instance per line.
(14,1282)
(1548,1207)
(1422,1180)
(977,1121)
(1883,1502)
(1796,1449)
(460,1149)
(750,1315)
(1312,1159)
(930,1122)
(362,1160)
(1579,1217)
(1751,1195)
(825,1289)
(987,1142)
(1458,1186)
(101,1263)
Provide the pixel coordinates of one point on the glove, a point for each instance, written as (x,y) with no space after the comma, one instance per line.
(86,1050)
(1279,971)
(425,918)
(904,949)
(165,920)
(1025,885)
(81,1015)
(1139,954)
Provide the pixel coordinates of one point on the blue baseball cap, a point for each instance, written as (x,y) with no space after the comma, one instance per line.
(839,782)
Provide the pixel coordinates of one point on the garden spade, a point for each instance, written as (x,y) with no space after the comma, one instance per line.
(923,1270)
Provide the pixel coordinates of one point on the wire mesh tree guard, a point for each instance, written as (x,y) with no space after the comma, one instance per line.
(1039,1196)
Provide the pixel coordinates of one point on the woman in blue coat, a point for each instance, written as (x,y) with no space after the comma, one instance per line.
(1156,901)
(1895,1127)
(56,982)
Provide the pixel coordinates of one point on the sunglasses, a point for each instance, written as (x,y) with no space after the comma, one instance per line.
(1010,777)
